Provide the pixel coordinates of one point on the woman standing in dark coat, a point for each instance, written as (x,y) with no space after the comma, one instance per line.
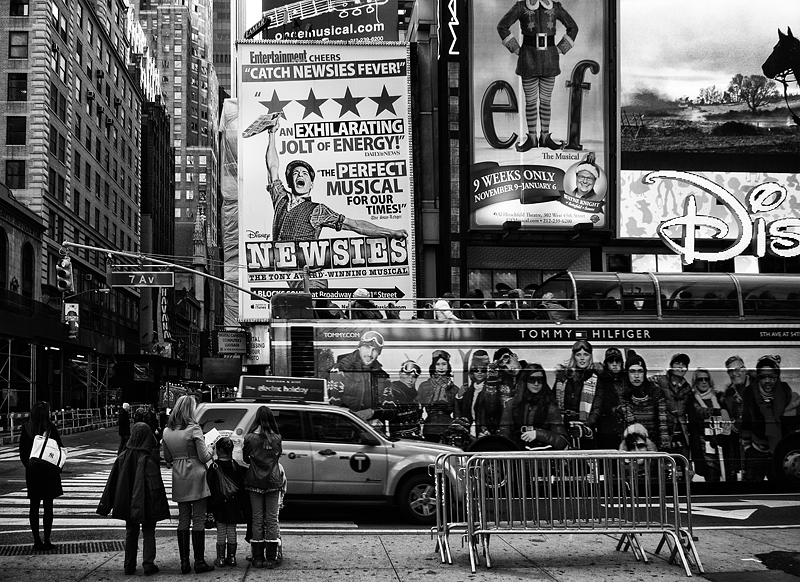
(532,419)
(42,487)
(135,493)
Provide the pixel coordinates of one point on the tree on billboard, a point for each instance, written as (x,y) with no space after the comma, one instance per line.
(754,90)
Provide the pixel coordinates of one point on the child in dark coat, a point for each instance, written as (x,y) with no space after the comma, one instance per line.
(227,512)
(135,493)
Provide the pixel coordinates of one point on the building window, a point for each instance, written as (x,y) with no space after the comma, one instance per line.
(17,45)
(15,130)
(76,201)
(88,177)
(19,8)
(177,213)
(15,174)
(18,86)
(77,166)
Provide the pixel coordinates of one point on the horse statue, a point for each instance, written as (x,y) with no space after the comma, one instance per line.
(785,59)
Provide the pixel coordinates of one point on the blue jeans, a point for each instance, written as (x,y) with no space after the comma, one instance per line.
(265,516)
(193,512)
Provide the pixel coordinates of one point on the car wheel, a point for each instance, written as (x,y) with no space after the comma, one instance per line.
(787,462)
(417,500)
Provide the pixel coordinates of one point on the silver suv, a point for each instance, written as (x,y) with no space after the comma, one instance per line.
(331,454)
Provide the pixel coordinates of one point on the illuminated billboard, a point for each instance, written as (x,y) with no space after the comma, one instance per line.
(539,87)
(325,175)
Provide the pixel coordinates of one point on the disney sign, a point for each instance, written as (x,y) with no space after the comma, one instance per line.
(780,237)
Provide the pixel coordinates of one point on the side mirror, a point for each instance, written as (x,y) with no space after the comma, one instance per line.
(368,439)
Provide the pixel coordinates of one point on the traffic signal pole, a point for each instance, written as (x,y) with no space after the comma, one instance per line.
(141,257)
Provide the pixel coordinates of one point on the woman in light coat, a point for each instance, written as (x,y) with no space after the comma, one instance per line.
(186,452)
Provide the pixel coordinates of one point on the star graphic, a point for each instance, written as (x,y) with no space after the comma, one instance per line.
(275,104)
(349,103)
(385,101)
(312,104)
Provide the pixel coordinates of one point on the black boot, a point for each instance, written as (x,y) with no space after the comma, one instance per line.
(220,561)
(546,141)
(199,547)
(271,554)
(258,554)
(231,559)
(528,144)
(183,550)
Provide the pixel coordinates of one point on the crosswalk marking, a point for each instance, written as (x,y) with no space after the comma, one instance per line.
(85,453)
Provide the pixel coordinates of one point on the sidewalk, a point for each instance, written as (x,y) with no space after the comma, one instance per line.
(727,555)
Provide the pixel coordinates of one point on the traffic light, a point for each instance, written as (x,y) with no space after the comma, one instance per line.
(64,275)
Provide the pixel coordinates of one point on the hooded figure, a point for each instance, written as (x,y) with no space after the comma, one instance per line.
(135,493)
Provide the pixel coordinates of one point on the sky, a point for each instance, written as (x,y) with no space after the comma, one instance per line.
(678,47)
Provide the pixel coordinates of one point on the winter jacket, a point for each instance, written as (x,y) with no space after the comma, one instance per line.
(764,423)
(355,386)
(229,510)
(550,431)
(604,414)
(134,490)
(650,411)
(186,450)
(124,423)
(262,452)
(678,394)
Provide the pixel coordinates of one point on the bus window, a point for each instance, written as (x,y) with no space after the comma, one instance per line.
(713,293)
(554,300)
(638,294)
(598,294)
(768,296)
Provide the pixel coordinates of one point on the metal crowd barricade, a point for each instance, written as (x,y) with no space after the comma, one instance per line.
(571,492)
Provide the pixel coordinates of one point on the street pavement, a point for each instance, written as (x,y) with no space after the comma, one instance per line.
(90,547)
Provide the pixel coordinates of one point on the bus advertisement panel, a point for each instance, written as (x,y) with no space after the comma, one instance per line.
(325,176)
(740,358)
(540,131)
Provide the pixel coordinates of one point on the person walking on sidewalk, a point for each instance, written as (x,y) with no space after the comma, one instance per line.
(42,487)
(124,426)
(186,452)
(135,493)
(261,449)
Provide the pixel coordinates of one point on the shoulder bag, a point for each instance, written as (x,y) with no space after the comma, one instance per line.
(46,455)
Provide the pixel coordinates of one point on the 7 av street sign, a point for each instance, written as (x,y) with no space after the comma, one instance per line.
(142,279)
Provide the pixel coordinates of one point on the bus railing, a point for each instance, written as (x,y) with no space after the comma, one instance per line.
(570,492)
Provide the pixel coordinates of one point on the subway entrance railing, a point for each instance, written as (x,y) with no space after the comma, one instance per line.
(629,495)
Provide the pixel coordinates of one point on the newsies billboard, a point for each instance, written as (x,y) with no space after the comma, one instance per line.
(539,87)
(325,176)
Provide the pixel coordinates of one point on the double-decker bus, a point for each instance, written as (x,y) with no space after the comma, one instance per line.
(707,317)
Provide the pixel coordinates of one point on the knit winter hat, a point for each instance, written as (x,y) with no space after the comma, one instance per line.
(480,359)
(635,428)
(635,360)
(770,362)
(501,352)
(613,354)
(361,294)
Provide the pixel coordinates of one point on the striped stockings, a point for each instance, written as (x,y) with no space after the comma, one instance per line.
(538,92)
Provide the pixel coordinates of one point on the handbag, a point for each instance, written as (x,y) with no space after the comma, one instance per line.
(225,486)
(46,455)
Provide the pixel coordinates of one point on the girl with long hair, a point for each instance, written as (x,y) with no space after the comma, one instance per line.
(42,487)
(186,452)
(705,425)
(437,395)
(532,419)
(264,481)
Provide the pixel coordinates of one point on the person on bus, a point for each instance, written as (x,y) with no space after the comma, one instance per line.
(442,308)
(731,444)
(358,382)
(402,398)
(437,397)
(678,394)
(766,418)
(362,307)
(644,403)
(470,398)
(576,384)
(532,419)
(603,417)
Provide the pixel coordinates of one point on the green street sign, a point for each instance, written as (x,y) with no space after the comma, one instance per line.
(142,279)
